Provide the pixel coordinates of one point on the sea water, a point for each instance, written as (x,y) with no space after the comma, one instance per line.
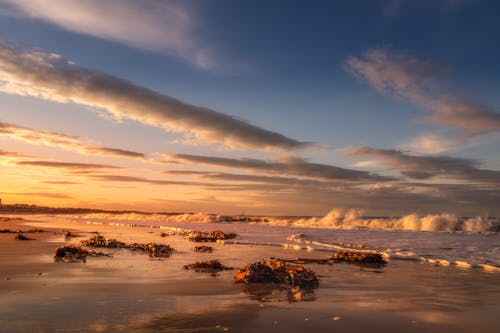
(443,239)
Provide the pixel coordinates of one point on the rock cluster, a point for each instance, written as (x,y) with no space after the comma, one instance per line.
(359,257)
(213,236)
(154,250)
(71,253)
(279,272)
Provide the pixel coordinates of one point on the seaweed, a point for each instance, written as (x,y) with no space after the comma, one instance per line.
(279,272)
(213,236)
(203,249)
(211,266)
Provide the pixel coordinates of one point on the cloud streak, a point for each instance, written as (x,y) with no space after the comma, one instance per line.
(60,140)
(427,167)
(291,166)
(231,177)
(66,165)
(167,28)
(419,80)
(42,194)
(4,153)
(50,77)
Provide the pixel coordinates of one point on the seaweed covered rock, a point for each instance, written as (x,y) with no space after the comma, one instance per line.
(115,244)
(210,266)
(203,249)
(279,272)
(70,253)
(221,235)
(359,257)
(160,250)
(96,241)
(154,250)
(138,247)
(213,236)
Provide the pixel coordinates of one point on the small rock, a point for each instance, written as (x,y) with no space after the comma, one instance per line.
(211,266)
(203,249)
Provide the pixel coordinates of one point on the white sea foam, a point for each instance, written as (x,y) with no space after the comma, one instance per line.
(132,216)
(353,219)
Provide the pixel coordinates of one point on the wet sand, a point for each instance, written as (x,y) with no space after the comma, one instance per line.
(131,292)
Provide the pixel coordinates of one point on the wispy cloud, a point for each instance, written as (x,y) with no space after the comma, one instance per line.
(4,153)
(48,76)
(290,166)
(62,182)
(231,177)
(419,80)
(132,179)
(169,28)
(66,165)
(427,167)
(42,194)
(60,140)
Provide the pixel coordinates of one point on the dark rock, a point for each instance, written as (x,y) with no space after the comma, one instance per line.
(115,244)
(70,253)
(203,249)
(96,241)
(159,250)
(359,257)
(211,266)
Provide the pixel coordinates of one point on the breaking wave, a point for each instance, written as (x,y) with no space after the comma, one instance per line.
(131,216)
(353,219)
(335,219)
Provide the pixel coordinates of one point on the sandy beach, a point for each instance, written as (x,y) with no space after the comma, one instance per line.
(130,292)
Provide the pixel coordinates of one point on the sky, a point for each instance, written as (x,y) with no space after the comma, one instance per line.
(256,107)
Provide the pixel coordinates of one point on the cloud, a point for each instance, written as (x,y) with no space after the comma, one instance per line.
(231,177)
(50,77)
(66,165)
(56,182)
(291,166)
(167,28)
(4,153)
(427,167)
(420,81)
(120,178)
(42,194)
(430,143)
(60,140)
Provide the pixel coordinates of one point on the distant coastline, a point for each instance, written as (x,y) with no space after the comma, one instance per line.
(25,208)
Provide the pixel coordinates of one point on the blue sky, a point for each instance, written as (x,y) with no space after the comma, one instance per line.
(353,78)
